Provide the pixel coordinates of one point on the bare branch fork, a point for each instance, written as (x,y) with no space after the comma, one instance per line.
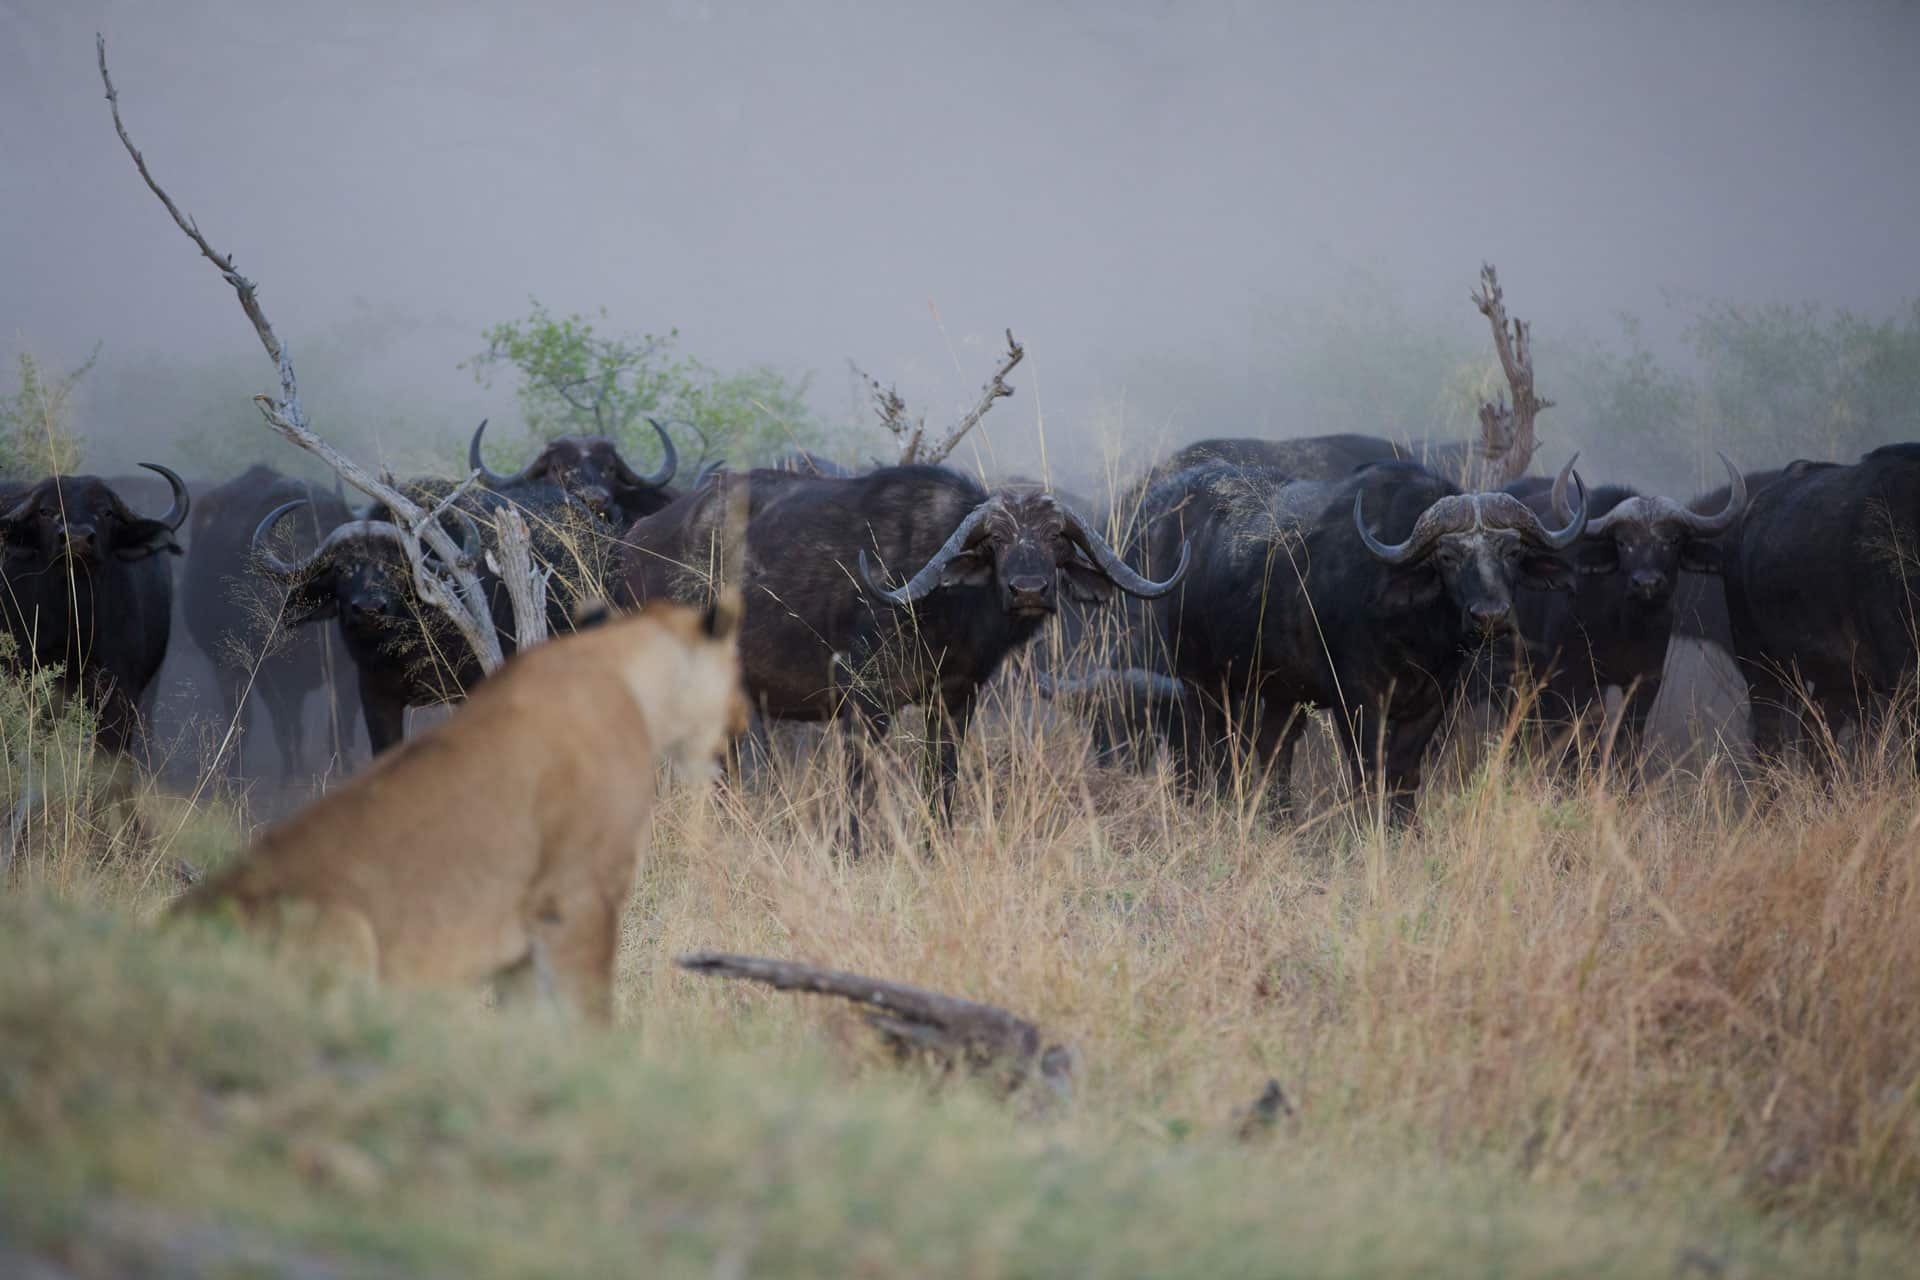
(912,435)
(459,593)
(955,1031)
(1507,438)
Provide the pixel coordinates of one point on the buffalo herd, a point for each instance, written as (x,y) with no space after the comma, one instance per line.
(1233,589)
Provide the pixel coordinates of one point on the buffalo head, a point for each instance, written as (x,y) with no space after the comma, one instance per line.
(1027,543)
(359,574)
(1647,541)
(590,471)
(1475,548)
(81,519)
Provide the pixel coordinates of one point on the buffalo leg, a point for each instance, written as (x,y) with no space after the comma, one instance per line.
(232,683)
(284,701)
(947,728)
(864,721)
(1393,750)
(386,717)
(1281,725)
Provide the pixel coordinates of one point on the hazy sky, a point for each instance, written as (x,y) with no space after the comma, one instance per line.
(799,183)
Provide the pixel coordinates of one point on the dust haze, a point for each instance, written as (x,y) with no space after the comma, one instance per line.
(1130,187)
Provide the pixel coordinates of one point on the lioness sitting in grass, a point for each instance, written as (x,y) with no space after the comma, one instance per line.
(503,842)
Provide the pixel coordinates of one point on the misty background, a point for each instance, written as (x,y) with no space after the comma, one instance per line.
(1201,219)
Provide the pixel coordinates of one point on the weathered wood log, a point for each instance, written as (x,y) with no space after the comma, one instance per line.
(984,1038)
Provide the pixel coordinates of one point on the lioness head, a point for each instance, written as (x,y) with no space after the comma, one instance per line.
(691,687)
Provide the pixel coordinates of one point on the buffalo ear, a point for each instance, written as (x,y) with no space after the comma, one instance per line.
(311,601)
(968,569)
(1699,555)
(1086,584)
(1546,573)
(1411,588)
(1596,555)
(138,539)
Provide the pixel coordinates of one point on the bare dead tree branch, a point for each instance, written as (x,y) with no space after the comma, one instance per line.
(996,389)
(526,583)
(453,588)
(982,1037)
(888,405)
(1507,437)
(911,433)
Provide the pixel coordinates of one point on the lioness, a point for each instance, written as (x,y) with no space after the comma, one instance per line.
(503,842)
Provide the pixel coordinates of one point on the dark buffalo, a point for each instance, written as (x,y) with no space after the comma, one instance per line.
(824,638)
(589,471)
(405,653)
(1820,585)
(575,497)
(1293,601)
(808,463)
(1612,629)
(1096,663)
(87,588)
(1319,457)
(235,611)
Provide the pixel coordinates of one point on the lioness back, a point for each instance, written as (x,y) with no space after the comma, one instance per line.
(507,836)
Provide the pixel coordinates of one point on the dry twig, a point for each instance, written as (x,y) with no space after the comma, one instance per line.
(912,433)
(451,586)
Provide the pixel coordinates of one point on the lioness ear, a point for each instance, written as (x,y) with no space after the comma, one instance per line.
(590,613)
(722,617)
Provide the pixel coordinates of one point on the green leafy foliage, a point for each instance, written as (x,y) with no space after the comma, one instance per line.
(1792,384)
(576,378)
(36,432)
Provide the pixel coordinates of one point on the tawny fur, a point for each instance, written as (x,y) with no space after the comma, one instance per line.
(504,842)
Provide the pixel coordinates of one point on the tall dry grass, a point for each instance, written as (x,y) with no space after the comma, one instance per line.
(1669,984)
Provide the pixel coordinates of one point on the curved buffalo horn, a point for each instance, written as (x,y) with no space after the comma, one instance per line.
(274,564)
(177,513)
(669,462)
(1113,566)
(707,472)
(471,547)
(278,568)
(1560,539)
(1149,686)
(1451,514)
(922,583)
(1561,511)
(1736,504)
(493,479)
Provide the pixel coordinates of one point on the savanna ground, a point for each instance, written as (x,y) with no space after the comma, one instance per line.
(1555,1027)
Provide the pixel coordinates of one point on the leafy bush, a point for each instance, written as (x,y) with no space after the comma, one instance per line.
(36,433)
(574,378)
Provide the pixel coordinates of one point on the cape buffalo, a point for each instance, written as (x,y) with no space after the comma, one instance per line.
(1318,457)
(1612,629)
(87,588)
(1093,666)
(825,638)
(1820,584)
(589,470)
(1293,601)
(405,653)
(235,612)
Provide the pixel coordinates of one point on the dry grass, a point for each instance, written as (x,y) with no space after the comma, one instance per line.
(1694,999)
(1651,986)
